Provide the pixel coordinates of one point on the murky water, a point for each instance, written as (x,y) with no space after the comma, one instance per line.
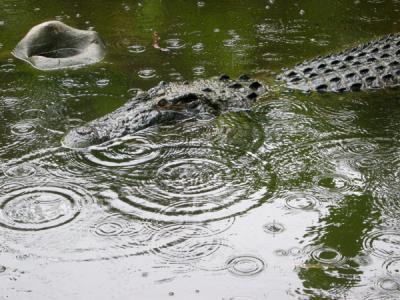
(296,199)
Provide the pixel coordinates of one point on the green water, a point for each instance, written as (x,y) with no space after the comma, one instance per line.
(296,199)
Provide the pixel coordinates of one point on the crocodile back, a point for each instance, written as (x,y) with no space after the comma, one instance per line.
(374,65)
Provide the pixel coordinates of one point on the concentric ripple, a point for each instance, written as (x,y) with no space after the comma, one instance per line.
(175,43)
(327,256)
(184,243)
(389,284)
(190,184)
(392,266)
(39,207)
(246,265)
(300,201)
(383,243)
(136,49)
(274,227)
(24,127)
(124,231)
(20,171)
(199,70)
(198,47)
(147,73)
(122,153)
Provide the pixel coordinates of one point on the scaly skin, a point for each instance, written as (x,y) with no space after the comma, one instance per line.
(374,65)
(168,103)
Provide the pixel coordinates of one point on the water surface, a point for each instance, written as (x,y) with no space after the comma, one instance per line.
(296,199)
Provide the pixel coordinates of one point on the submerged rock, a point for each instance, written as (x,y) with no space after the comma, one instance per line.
(54,45)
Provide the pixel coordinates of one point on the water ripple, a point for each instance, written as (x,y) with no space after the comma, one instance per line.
(383,243)
(122,232)
(21,171)
(175,43)
(246,265)
(41,207)
(147,73)
(206,186)
(125,152)
(136,49)
(327,256)
(184,243)
(392,266)
(298,200)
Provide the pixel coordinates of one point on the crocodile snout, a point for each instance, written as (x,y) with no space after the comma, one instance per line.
(81,137)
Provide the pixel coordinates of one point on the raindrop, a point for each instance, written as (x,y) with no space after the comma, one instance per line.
(198,47)
(300,201)
(392,267)
(136,49)
(274,227)
(246,265)
(147,73)
(20,171)
(388,284)
(42,207)
(7,68)
(24,127)
(176,76)
(383,243)
(198,70)
(175,44)
(295,251)
(125,152)
(102,82)
(184,243)
(281,252)
(203,186)
(230,42)
(328,256)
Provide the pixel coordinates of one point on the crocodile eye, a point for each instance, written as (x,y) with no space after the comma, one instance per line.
(163,102)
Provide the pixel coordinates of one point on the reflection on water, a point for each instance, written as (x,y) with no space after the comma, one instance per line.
(295,199)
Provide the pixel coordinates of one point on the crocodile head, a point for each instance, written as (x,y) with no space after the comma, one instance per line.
(81,137)
(168,103)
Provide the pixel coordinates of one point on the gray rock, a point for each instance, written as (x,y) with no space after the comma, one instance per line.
(54,45)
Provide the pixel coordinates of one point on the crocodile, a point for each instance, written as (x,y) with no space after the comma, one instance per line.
(373,65)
